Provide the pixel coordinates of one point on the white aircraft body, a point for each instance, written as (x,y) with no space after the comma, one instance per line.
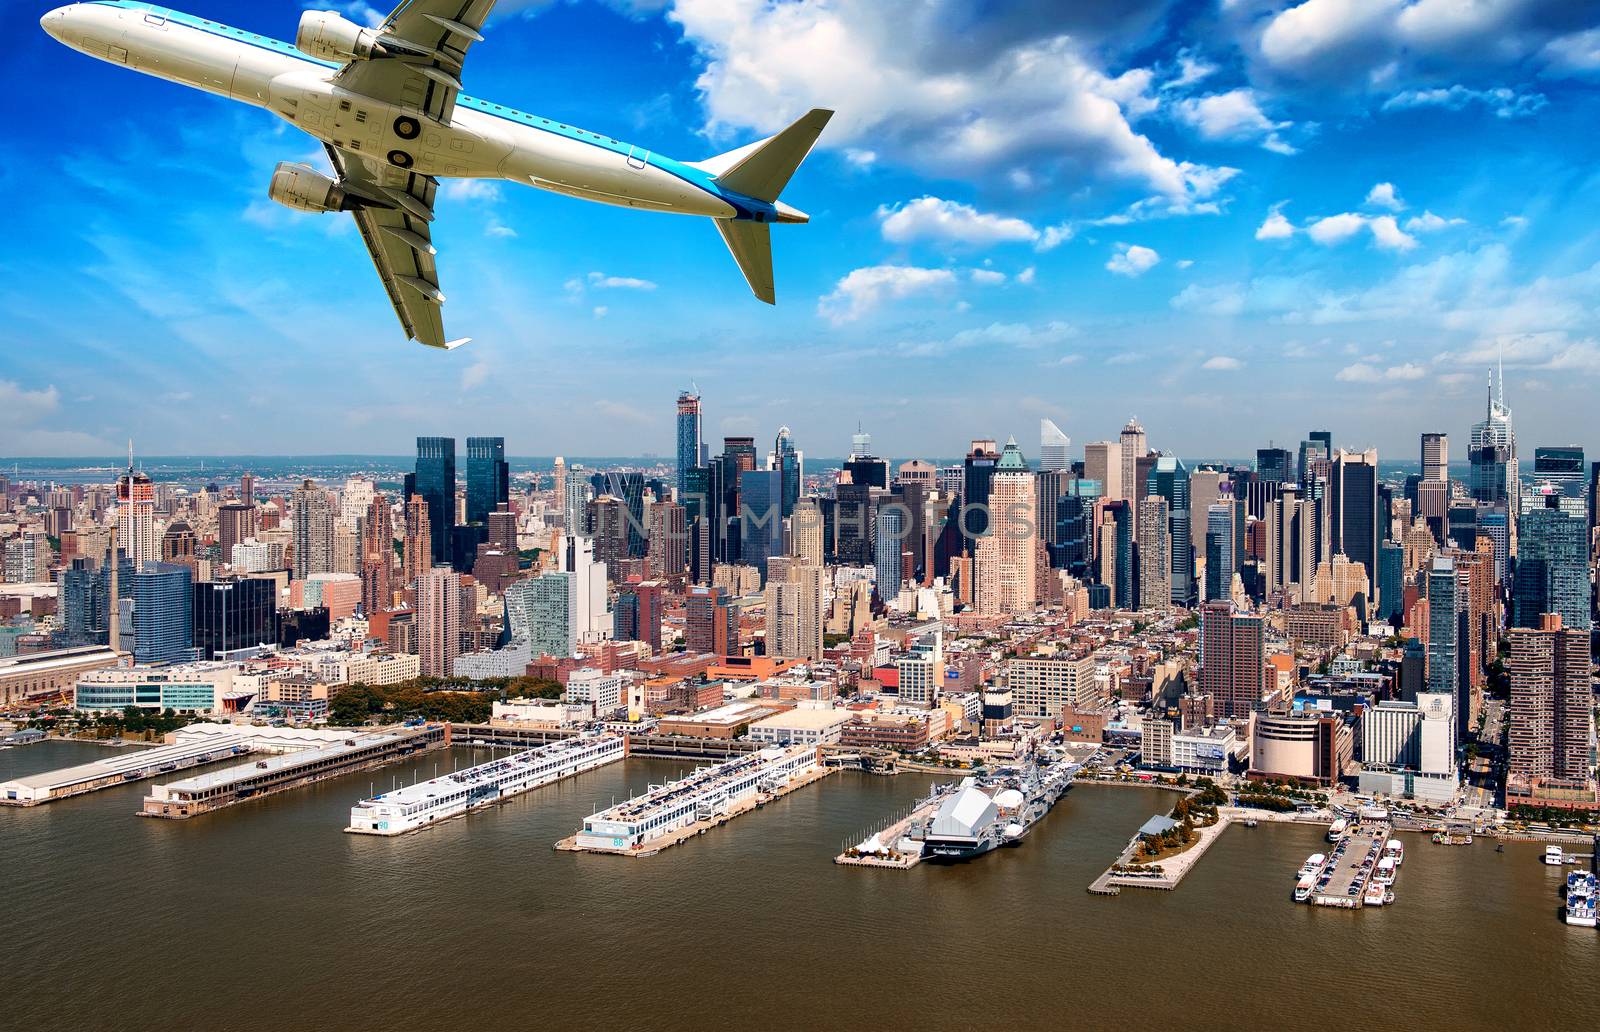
(387,104)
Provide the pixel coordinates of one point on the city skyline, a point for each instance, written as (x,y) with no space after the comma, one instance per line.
(1192,228)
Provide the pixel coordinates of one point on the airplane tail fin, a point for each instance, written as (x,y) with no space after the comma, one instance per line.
(750,243)
(762,169)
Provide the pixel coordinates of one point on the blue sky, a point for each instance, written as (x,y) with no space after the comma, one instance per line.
(1235,220)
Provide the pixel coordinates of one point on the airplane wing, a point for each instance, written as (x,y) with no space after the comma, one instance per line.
(429,41)
(399,241)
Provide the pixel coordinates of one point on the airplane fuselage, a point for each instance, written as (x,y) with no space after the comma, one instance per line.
(481,140)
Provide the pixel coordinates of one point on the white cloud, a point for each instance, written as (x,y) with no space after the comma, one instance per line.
(470,190)
(1224,299)
(1222,363)
(499,229)
(1192,68)
(1503,101)
(1577,53)
(1408,371)
(1428,222)
(475,375)
(1026,276)
(1275,227)
(1184,263)
(1360,372)
(864,290)
(931,218)
(1389,236)
(1234,115)
(1384,195)
(601,281)
(1334,229)
(1052,237)
(1030,103)
(987,277)
(862,159)
(600,311)
(20,406)
(1132,260)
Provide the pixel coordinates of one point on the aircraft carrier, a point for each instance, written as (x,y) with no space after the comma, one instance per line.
(996,809)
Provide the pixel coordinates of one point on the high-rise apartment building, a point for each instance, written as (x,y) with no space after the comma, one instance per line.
(236,523)
(1169,479)
(794,606)
(377,556)
(669,540)
(1448,630)
(1155,559)
(1006,560)
(439,621)
(417,546)
(1552,569)
(312,513)
(136,517)
(163,613)
(1552,709)
(711,624)
(1102,463)
(1134,446)
(1232,658)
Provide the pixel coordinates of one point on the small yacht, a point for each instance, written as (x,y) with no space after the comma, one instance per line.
(1553,856)
(1384,874)
(1313,865)
(1395,849)
(1302,888)
(1338,829)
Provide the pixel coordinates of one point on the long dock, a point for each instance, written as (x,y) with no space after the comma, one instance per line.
(419,806)
(671,747)
(709,796)
(204,793)
(129,767)
(1162,874)
(1351,865)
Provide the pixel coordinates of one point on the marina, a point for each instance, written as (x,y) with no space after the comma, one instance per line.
(670,813)
(1358,869)
(422,805)
(204,793)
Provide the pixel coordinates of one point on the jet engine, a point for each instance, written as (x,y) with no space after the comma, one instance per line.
(326,35)
(304,188)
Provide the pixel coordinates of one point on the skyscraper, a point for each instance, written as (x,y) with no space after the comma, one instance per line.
(136,516)
(1133,448)
(688,438)
(892,526)
(710,623)
(1054,447)
(234,614)
(1353,507)
(417,546)
(1005,562)
(760,522)
(669,540)
(436,483)
(1493,453)
(1233,658)
(1169,479)
(1155,559)
(377,556)
(236,522)
(439,621)
(639,612)
(1552,709)
(1220,549)
(978,470)
(1447,644)
(1274,465)
(794,596)
(790,463)
(1552,569)
(1102,463)
(312,512)
(805,532)
(1436,457)
(163,613)
(488,477)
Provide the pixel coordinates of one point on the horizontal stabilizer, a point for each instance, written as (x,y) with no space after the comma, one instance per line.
(750,243)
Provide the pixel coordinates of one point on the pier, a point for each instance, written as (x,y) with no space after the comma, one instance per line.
(887,847)
(668,747)
(131,766)
(1165,873)
(203,793)
(1351,865)
(670,813)
(419,806)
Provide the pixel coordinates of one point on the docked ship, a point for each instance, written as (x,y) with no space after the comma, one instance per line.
(451,795)
(1581,899)
(998,809)
(1338,829)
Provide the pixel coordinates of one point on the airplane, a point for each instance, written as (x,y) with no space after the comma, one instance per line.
(386,103)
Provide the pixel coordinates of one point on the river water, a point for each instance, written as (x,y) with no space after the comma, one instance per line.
(267,916)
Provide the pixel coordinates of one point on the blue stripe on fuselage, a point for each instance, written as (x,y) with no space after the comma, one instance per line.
(746,208)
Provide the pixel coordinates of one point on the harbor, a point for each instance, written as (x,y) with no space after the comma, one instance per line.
(1358,869)
(710,796)
(422,805)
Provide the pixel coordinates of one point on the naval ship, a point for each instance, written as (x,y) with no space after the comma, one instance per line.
(992,810)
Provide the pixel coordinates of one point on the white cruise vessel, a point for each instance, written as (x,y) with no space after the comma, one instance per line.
(1396,850)
(429,802)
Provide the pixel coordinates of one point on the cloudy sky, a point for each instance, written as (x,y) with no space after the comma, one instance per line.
(1236,220)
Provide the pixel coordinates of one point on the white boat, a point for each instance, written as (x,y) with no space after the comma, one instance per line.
(1384,874)
(1396,849)
(1314,864)
(1376,896)
(1581,899)
(1302,889)
(1338,829)
(1553,856)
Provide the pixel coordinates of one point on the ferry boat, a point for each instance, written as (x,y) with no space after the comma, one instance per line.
(1553,856)
(1313,865)
(994,810)
(1304,887)
(1338,829)
(1581,899)
(418,806)
(1384,873)
(1377,896)
(1396,849)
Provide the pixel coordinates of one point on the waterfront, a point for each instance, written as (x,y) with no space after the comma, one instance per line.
(266,916)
